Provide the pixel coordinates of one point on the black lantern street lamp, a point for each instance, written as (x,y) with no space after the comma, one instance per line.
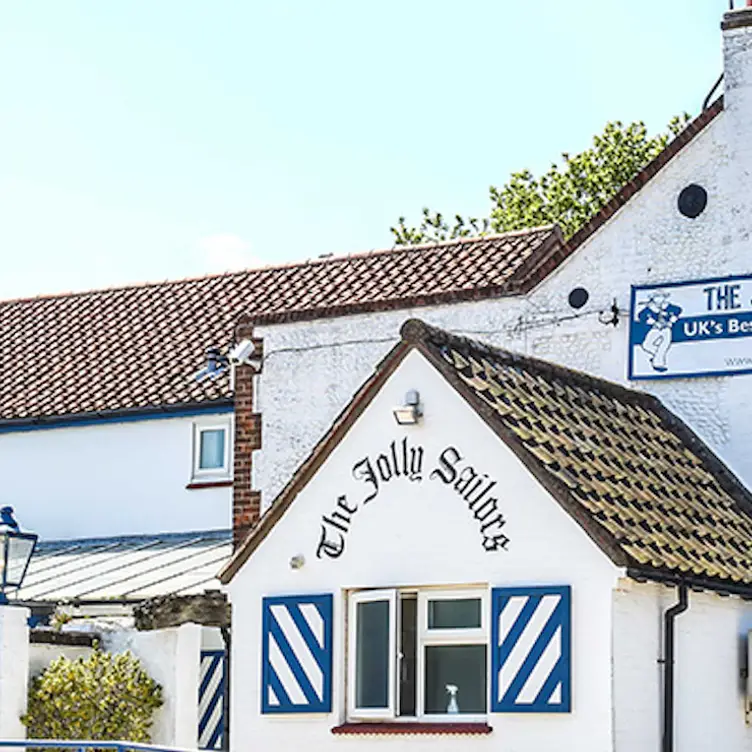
(16,549)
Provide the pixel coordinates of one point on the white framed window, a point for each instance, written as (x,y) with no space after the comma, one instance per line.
(212,445)
(418,654)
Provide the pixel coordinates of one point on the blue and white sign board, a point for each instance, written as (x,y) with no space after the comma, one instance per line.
(700,328)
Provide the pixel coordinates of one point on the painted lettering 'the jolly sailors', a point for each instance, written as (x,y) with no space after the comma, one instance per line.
(401,460)
(475,488)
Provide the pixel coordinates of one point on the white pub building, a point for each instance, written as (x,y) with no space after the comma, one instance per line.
(516,520)
(486,493)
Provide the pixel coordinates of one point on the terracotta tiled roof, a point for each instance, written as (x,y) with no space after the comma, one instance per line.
(136,348)
(646,487)
(638,481)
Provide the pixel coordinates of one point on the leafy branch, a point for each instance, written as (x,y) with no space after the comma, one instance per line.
(569,194)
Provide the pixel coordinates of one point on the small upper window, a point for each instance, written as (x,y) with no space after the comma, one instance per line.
(211,455)
(211,450)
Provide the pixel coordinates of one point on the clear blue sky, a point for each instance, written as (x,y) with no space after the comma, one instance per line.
(145,140)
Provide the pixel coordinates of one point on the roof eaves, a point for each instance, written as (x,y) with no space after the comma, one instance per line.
(65,420)
(392,304)
(694,582)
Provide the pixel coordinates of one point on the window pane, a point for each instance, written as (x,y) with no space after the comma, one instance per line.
(463,613)
(408,650)
(212,454)
(460,666)
(372,655)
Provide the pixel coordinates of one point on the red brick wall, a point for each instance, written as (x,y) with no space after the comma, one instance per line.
(246,503)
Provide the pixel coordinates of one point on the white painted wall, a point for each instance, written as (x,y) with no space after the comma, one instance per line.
(211,639)
(710,692)
(108,479)
(418,534)
(171,657)
(14,675)
(42,654)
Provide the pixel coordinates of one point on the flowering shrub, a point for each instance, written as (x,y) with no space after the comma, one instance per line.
(100,697)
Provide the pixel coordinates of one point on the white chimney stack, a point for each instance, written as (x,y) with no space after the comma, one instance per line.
(737,75)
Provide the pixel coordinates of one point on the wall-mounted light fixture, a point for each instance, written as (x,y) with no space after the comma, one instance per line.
(410,413)
(16,549)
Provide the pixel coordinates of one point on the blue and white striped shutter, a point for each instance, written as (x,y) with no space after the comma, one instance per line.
(296,673)
(211,699)
(531,643)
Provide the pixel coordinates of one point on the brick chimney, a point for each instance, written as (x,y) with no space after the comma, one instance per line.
(246,503)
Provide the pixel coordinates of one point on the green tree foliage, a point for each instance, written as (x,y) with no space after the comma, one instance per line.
(568,194)
(99,697)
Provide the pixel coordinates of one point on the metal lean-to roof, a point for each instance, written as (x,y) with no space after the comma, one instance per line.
(129,568)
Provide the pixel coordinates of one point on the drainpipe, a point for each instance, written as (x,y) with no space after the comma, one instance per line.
(668,667)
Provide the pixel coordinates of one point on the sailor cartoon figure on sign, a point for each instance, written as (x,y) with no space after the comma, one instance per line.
(658,316)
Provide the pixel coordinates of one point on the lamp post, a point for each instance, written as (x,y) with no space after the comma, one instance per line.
(16,549)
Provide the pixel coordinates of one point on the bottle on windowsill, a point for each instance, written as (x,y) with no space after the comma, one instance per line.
(452,707)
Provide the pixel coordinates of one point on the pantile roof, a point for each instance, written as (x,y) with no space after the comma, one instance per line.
(644,485)
(641,484)
(136,348)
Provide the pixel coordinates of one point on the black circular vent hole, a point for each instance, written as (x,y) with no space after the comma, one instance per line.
(578,297)
(692,201)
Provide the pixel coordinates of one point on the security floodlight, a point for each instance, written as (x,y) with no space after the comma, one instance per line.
(410,413)
(216,365)
(244,354)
